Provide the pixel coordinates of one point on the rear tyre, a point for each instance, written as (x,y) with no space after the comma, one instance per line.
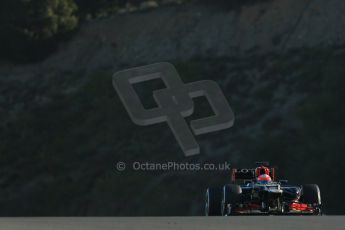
(231,195)
(213,201)
(311,195)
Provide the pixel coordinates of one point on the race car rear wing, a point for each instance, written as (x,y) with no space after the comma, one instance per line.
(248,174)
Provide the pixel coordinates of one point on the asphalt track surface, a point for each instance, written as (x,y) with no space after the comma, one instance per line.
(175,223)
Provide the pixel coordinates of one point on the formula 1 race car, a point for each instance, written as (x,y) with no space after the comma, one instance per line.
(256,191)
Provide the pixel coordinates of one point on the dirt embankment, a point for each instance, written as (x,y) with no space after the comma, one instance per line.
(63,127)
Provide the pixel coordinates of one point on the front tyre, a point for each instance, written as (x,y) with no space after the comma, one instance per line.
(231,196)
(311,195)
(213,201)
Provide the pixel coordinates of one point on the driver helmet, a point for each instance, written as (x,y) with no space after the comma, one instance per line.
(262,170)
(264,178)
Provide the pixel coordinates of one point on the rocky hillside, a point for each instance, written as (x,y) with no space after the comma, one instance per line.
(280,63)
